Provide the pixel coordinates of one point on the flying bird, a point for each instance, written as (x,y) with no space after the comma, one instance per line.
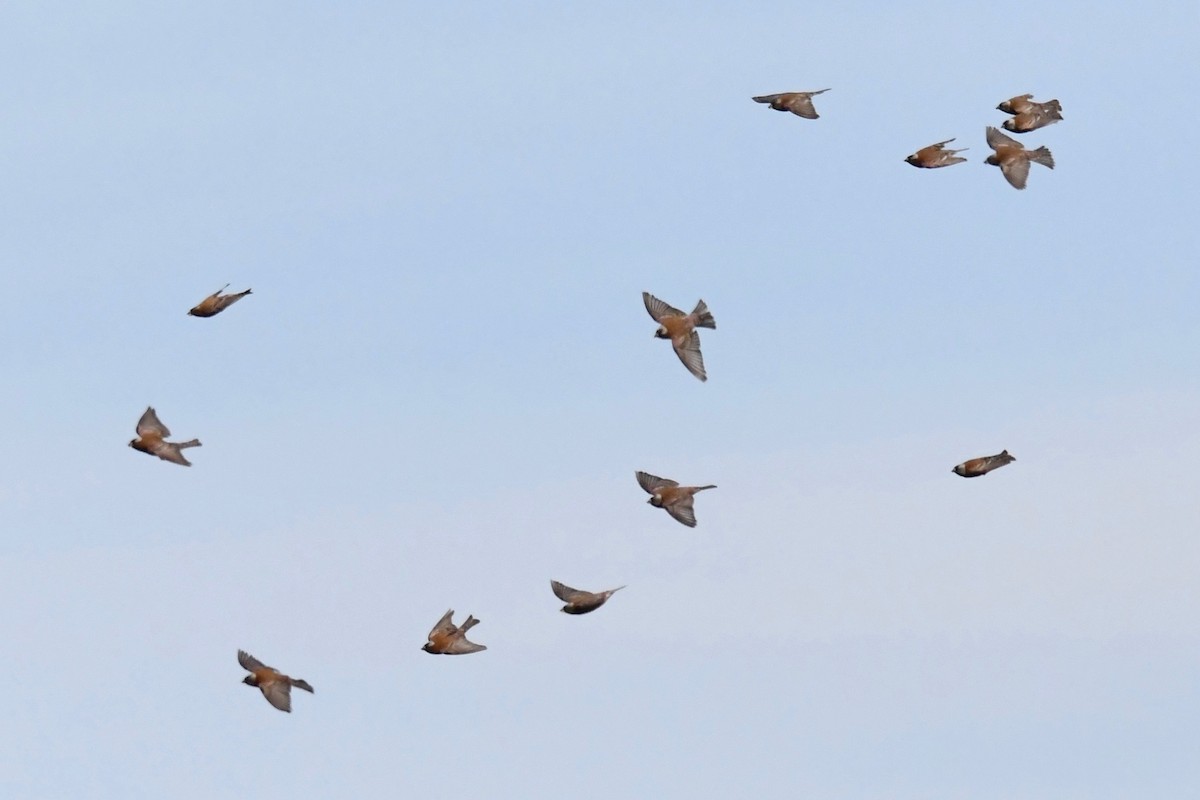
(799,103)
(216,302)
(667,494)
(1013,159)
(151,440)
(680,329)
(448,639)
(1024,103)
(936,155)
(1031,120)
(983,465)
(578,601)
(275,686)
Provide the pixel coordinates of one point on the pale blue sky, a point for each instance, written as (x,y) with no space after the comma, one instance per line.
(445,379)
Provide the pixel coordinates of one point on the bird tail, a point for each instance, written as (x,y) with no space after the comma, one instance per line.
(300,684)
(823,91)
(470,623)
(243,294)
(704,319)
(1007,458)
(1042,156)
(190,443)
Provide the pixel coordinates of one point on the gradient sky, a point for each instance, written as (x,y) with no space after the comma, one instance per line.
(445,379)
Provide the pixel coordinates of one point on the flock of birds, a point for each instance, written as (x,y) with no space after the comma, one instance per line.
(678,327)
(1010,155)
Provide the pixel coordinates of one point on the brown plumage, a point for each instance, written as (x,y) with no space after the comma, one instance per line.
(151,440)
(1018,104)
(668,495)
(578,601)
(1041,115)
(936,155)
(216,302)
(1013,159)
(275,686)
(680,329)
(983,465)
(448,639)
(799,103)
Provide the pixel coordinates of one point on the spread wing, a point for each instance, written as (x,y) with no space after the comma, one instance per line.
(150,424)
(802,106)
(462,647)
(278,694)
(168,451)
(688,351)
(1016,171)
(444,626)
(563,592)
(658,309)
(249,662)
(997,140)
(683,511)
(652,483)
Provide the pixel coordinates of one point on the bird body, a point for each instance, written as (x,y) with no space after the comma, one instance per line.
(680,329)
(152,436)
(668,495)
(274,685)
(975,467)
(578,601)
(799,103)
(936,155)
(216,302)
(1013,159)
(448,639)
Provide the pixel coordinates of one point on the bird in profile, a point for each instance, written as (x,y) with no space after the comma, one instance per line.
(275,686)
(578,601)
(799,103)
(1029,115)
(1013,159)
(936,155)
(448,639)
(680,329)
(975,467)
(668,495)
(151,440)
(216,302)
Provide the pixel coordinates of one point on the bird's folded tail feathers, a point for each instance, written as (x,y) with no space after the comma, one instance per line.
(189,443)
(704,318)
(1042,156)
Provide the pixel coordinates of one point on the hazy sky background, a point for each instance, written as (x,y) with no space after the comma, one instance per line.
(445,379)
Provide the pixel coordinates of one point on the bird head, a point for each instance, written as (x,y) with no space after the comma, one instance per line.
(655,501)
(912,159)
(661,333)
(249,680)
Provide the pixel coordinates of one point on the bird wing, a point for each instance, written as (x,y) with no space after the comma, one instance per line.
(149,424)
(562,591)
(461,647)
(652,483)
(249,662)
(1016,171)
(658,309)
(802,106)
(169,451)
(767,98)
(688,351)
(997,140)
(444,625)
(278,694)
(682,510)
